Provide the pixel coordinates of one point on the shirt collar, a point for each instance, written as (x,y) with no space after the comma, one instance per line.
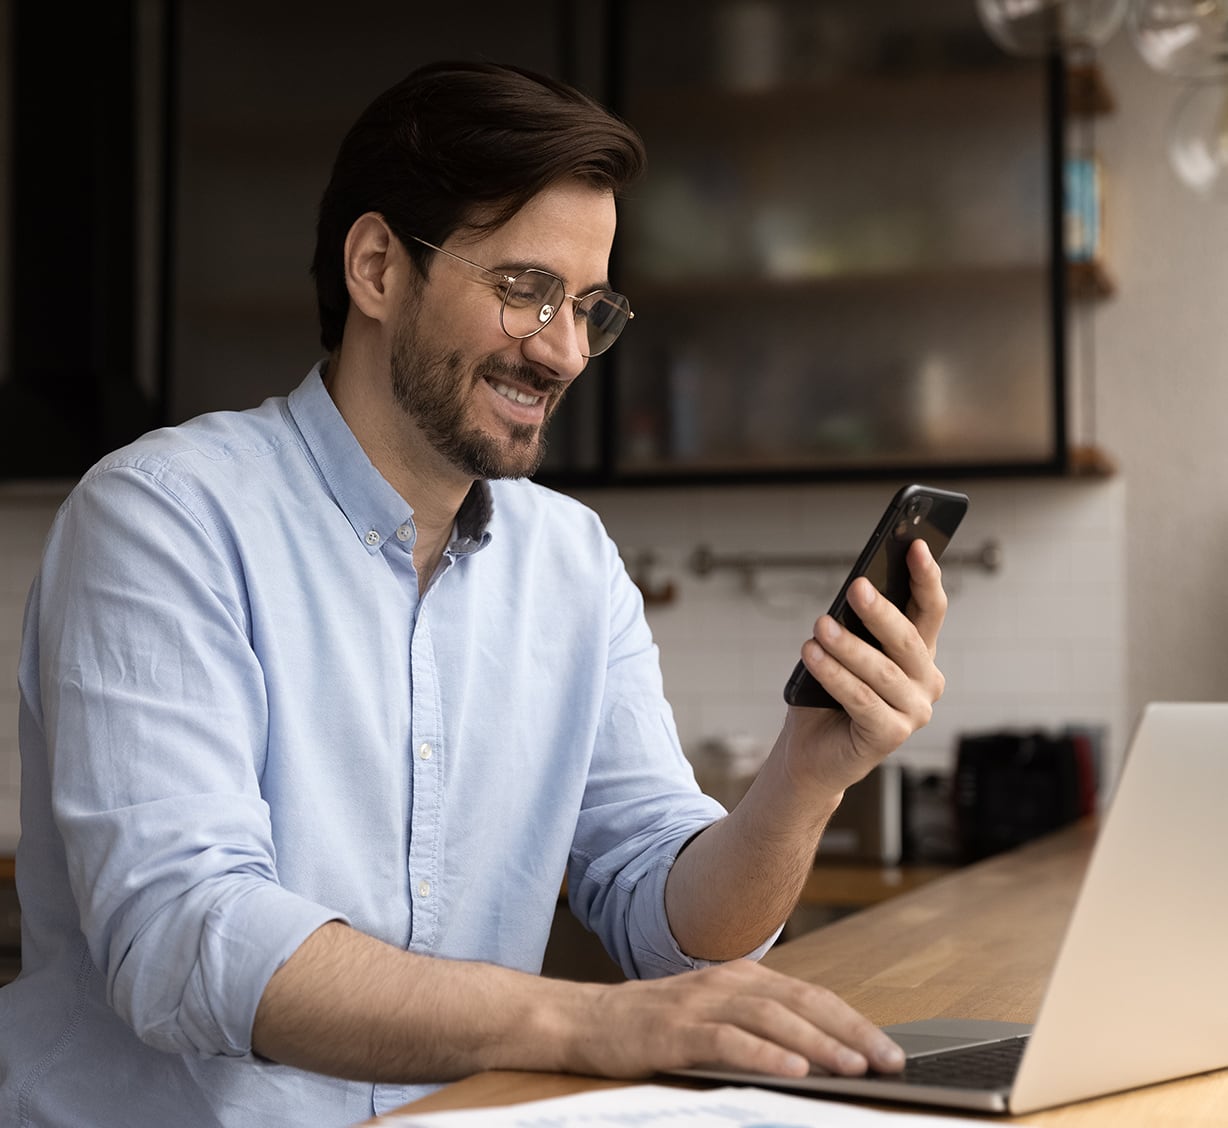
(472,529)
(373,508)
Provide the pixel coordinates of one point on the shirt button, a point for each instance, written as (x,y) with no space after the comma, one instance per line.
(424,889)
(425,750)
(404,532)
(372,538)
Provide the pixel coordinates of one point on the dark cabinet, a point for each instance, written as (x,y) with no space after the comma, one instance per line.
(71,387)
(842,258)
(154,256)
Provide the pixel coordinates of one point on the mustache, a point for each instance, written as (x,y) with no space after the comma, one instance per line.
(496,369)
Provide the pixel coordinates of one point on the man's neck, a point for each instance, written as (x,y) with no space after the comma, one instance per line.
(434,519)
(432,487)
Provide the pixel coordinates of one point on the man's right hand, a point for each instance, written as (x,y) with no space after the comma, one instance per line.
(739,1016)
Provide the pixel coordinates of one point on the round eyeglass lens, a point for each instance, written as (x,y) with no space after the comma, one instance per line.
(605,315)
(529,304)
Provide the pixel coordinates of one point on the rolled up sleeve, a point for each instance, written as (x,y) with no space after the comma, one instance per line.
(155,725)
(641,805)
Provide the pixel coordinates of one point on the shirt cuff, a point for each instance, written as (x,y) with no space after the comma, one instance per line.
(653,947)
(242,945)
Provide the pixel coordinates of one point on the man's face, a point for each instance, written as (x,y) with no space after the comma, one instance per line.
(480,398)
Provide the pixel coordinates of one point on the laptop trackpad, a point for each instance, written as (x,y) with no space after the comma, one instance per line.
(935,1034)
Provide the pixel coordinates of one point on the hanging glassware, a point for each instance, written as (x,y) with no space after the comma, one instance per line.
(1035,28)
(1182,38)
(1198,139)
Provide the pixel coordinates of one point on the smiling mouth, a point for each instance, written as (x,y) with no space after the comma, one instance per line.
(510,393)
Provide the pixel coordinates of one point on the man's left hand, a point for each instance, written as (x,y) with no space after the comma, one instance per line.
(887,695)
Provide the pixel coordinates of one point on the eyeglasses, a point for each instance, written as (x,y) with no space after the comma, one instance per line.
(532,298)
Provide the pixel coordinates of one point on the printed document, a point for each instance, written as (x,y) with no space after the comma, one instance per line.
(659,1106)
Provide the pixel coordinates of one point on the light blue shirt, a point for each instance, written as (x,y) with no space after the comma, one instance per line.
(239,721)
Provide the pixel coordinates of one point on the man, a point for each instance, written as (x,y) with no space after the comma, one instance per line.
(321,700)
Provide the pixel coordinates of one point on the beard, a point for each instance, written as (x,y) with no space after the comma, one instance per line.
(434,389)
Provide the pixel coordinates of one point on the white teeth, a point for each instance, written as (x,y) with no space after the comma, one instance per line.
(515,396)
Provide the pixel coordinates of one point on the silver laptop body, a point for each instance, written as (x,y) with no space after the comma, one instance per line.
(1138,994)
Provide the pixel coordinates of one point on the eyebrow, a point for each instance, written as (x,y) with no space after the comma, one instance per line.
(533,264)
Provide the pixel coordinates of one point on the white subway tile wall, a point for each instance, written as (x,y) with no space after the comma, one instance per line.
(1041,642)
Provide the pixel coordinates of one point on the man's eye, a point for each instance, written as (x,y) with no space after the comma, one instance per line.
(519,295)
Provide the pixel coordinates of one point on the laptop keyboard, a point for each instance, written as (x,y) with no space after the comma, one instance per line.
(991,1066)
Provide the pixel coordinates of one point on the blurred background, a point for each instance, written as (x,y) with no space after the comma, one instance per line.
(878,242)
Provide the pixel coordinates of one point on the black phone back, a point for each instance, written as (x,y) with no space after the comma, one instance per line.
(915,513)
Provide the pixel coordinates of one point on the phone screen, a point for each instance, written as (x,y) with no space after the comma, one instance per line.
(915,513)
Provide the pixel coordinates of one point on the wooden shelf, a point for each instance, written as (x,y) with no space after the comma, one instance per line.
(983,93)
(1087,93)
(1090,461)
(1089,280)
(733,286)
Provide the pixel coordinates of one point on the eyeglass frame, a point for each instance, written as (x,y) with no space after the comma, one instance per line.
(510,279)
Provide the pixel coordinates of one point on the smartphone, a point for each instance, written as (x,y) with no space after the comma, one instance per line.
(915,513)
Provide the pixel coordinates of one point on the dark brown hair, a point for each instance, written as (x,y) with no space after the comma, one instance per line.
(459,144)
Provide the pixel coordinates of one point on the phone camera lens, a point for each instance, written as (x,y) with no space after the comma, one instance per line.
(917,508)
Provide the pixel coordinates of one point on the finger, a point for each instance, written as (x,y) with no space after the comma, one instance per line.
(867,674)
(886,702)
(927,607)
(832,656)
(823,1027)
(830,1033)
(774,1023)
(800,1040)
(730,1045)
(903,645)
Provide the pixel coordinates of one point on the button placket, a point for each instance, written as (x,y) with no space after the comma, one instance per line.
(423,857)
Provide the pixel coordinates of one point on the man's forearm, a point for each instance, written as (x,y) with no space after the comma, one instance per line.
(739,880)
(351,1006)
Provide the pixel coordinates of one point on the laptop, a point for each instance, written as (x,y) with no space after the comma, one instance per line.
(1138,993)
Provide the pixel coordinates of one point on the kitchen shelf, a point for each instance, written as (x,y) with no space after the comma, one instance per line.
(841,258)
(703,109)
(1090,461)
(1089,280)
(1087,92)
(734,285)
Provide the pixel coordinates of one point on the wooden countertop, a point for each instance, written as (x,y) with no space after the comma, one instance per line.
(977,943)
(856,886)
(932,952)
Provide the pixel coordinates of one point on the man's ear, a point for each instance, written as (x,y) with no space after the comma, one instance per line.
(372,257)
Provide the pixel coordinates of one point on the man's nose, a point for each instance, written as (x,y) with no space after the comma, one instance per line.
(558,346)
